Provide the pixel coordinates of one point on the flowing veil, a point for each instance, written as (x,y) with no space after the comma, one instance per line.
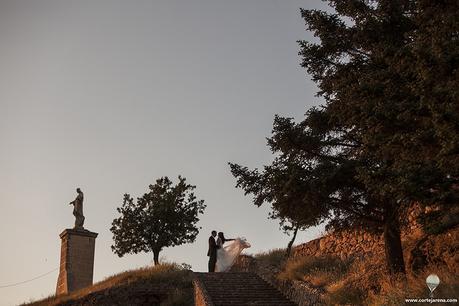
(228,254)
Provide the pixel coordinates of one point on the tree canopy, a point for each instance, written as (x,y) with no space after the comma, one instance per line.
(387,134)
(165,216)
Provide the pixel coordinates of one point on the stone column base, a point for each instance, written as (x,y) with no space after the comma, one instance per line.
(77,260)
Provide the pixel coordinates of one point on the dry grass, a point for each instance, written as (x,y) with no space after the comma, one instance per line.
(167,275)
(365,282)
(415,287)
(319,271)
(274,257)
(333,276)
(355,282)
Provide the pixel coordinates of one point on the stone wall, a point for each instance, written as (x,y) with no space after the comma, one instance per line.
(347,243)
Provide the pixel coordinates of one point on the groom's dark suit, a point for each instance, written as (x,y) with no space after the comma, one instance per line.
(212,253)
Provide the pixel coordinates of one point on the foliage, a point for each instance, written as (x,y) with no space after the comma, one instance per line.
(438,221)
(380,91)
(388,133)
(165,216)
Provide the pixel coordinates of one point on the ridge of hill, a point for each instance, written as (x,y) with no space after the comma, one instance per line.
(165,284)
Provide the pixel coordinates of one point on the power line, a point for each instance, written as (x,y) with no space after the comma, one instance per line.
(29,280)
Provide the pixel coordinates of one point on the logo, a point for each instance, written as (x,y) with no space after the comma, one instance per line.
(432,282)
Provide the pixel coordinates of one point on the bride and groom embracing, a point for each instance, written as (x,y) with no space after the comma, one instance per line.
(221,258)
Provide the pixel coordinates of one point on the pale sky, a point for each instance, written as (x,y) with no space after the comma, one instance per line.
(111,95)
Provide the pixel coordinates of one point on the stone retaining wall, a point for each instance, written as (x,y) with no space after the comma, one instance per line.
(347,243)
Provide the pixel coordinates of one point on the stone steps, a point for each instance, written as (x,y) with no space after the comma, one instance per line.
(236,289)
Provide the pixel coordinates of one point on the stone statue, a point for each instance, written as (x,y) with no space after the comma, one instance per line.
(78,209)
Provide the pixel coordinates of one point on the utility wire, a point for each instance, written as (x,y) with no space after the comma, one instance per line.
(29,280)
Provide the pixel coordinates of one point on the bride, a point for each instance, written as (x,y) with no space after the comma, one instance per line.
(228,254)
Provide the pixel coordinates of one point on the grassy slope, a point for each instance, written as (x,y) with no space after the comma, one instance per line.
(364,281)
(173,277)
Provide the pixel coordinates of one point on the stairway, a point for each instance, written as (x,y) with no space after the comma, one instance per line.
(235,288)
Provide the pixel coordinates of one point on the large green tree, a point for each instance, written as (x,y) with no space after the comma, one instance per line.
(165,216)
(283,184)
(389,74)
(388,132)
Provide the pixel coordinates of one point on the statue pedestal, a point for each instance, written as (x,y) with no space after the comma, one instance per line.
(77,260)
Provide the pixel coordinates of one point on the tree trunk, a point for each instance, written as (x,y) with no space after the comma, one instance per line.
(156,257)
(289,246)
(393,244)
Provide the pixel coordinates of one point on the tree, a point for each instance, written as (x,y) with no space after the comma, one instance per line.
(319,180)
(165,216)
(327,177)
(375,72)
(282,184)
(387,135)
(389,73)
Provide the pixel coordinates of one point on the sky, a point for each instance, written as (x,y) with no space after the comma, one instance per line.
(109,96)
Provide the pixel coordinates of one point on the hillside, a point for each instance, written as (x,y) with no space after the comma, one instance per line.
(341,268)
(166,284)
(348,268)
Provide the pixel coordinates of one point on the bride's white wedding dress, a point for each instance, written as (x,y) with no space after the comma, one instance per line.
(228,254)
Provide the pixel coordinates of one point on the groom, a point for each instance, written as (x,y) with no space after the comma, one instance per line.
(212,252)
